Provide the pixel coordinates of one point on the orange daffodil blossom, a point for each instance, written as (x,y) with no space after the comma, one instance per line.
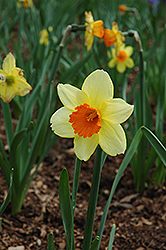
(93,28)
(123,8)
(121,59)
(12,81)
(26,3)
(113,36)
(92,116)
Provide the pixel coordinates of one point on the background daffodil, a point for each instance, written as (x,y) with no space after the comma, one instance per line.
(92,116)
(26,3)
(93,28)
(44,39)
(121,58)
(12,81)
(113,36)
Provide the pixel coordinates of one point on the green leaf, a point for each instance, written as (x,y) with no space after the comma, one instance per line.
(156,143)
(65,206)
(6,201)
(13,153)
(51,245)
(95,243)
(5,169)
(8,122)
(111,240)
(0,223)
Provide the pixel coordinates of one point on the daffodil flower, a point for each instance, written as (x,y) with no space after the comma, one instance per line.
(93,28)
(123,8)
(26,3)
(92,116)
(121,59)
(113,36)
(44,39)
(12,81)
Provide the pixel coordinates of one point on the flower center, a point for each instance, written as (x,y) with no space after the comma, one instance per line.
(10,80)
(86,121)
(122,56)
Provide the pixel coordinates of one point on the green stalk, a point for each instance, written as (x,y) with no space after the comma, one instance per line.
(75,184)
(93,199)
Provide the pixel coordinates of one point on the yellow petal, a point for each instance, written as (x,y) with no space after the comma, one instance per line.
(129,62)
(121,67)
(99,87)
(112,62)
(21,86)
(7,93)
(84,147)
(129,50)
(9,63)
(89,38)
(98,29)
(60,123)
(112,138)
(116,111)
(89,17)
(71,96)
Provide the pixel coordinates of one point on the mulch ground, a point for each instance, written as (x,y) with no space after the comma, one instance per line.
(140,218)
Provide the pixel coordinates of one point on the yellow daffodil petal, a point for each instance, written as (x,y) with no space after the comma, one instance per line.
(121,67)
(112,138)
(112,62)
(71,96)
(6,93)
(89,17)
(99,87)
(21,87)
(129,62)
(98,28)
(116,111)
(89,38)
(9,63)
(60,123)
(129,50)
(115,27)
(85,147)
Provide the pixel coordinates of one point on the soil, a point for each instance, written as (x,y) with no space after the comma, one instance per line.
(140,218)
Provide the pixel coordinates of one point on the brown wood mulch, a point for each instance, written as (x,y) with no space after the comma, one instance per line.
(140,218)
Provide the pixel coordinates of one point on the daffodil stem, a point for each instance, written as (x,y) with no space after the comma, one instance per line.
(68,30)
(75,184)
(139,172)
(93,199)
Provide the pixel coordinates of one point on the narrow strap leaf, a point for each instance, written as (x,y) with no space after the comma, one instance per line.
(75,184)
(65,206)
(156,143)
(51,245)
(95,243)
(5,169)
(8,122)
(111,240)
(6,201)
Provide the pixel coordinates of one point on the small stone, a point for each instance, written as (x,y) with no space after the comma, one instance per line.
(62,245)
(17,248)
(38,242)
(39,184)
